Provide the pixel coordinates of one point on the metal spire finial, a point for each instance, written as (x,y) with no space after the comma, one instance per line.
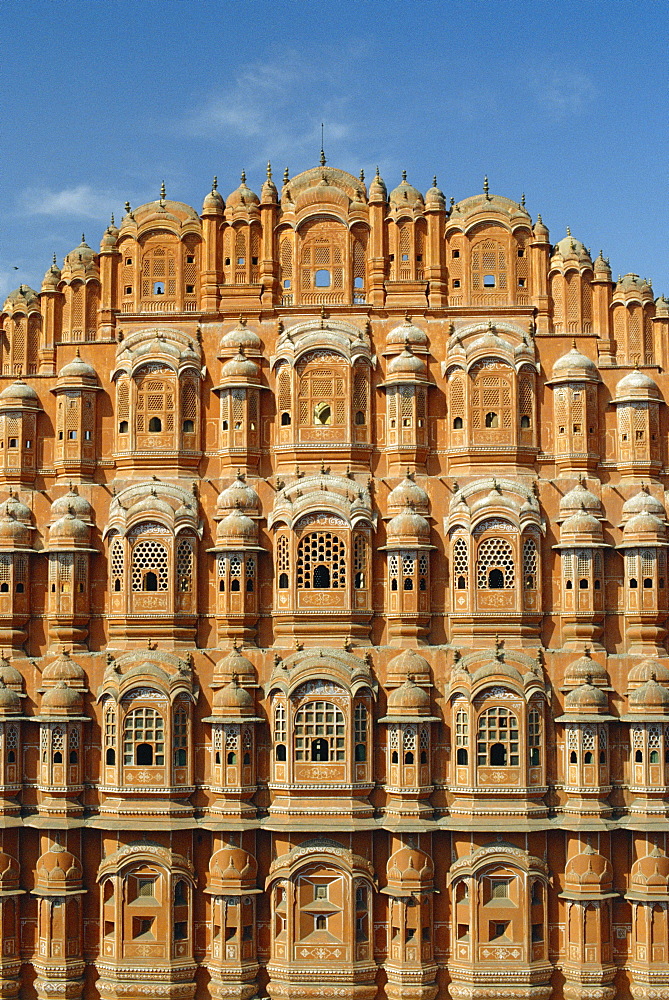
(243,177)
(286,176)
(362,176)
(522,199)
(214,183)
(486,187)
(404,176)
(162,191)
(434,181)
(269,171)
(323,160)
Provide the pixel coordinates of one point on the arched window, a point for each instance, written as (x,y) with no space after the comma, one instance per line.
(359,561)
(116,565)
(283,561)
(144,738)
(110,734)
(534,737)
(497,739)
(322,259)
(321,562)
(322,389)
(320,733)
(488,266)
(460,564)
(495,566)
(180,738)
(491,398)
(185,565)
(155,401)
(149,565)
(530,564)
(360,733)
(280,731)
(461,737)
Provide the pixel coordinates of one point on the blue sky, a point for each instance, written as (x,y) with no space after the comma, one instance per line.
(100,100)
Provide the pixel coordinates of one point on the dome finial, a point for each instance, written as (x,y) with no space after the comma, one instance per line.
(434,181)
(269,171)
(362,176)
(243,177)
(214,183)
(128,210)
(323,161)
(83,237)
(522,200)
(404,176)
(111,221)
(286,176)
(54,260)
(573,343)
(486,188)
(378,175)
(568,231)
(540,221)
(162,191)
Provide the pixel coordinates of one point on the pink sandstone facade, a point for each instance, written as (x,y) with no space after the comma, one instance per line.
(333,607)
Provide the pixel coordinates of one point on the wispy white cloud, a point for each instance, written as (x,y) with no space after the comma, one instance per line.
(562,91)
(274,109)
(81,201)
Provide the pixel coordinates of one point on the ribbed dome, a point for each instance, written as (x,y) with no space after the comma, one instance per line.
(644,524)
(213,202)
(407,363)
(22,298)
(240,367)
(77,368)
(409,699)
(651,874)
(81,257)
(661,307)
(602,268)
(10,675)
(62,700)
(20,391)
(237,526)
(580,498)
(405,194)
(235,664)
(408,663)
(540,229)
(574,362)
(409,524)
(72,501)
(13,532)
(243,196)
(409,869)
(232,869)
(568,247)
(637,384)
(238,496)
(70,529)
(64,668)
(233,700)
(153,504)
(377,189)
(646,670)
(586,670)
(407,334)
(10,703)
(408,494)
(434,197)
(633,283)
(586,699)
(644,502)
(57,868)
(651,697)
(581,524)
(52,277)
(13,507)
(241,337)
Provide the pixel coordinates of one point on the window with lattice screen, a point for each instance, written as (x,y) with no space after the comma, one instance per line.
(495,568)
(116,561)
(530,564)
(460,564)
(526,401)
(456,394)
(491,397)
(159,272)
(155,403)
(323,249)
(322,392)
(189,407)
(360,394)
(150,565)
(488,266)
(498,738)
(185,565)
(320,732)
(144,738)
(360,561)
(321,561)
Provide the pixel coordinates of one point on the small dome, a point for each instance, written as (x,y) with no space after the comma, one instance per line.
(81,257)
(636,384)
(651,697)
(646,670)
(151,505)
(9,871)
(64,668)
(633,283)
(661,307)
(58,868)
(586,699)
(268,193)
(645,524)
(409,869)
(434,197)
(70,529)
(589,871)
(10,675)
(573,362)
(236,526)
(377,189)
(235,664)
(580,498)
(409,663)
(232,700)
(540,230)
(409,699)
(241,337)
(407,334)
(232,869)
(243,196)
(651,874)
(72,502)
(22,298)
(77,368)
(495,499)
(408,494)
(602,268)
(238,496)
(20,391)
(13,507)
(409,524)
(407,363)
(241,368)
(405,195)
(581,525)
(644,502)
(213,203)
(62,700)
(13,532)
(10,703)
(52,277)
(586,670)
(568,248)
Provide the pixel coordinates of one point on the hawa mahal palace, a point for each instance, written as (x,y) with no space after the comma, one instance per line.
(333,607)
